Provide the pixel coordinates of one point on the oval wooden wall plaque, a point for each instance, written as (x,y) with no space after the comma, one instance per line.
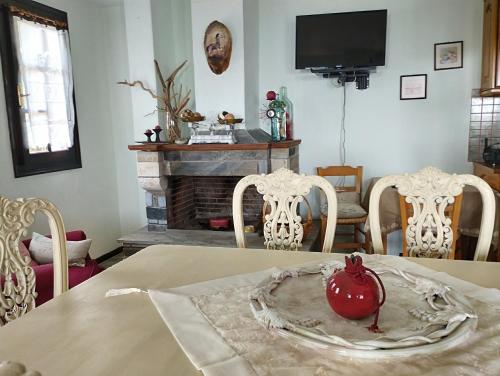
(218,47)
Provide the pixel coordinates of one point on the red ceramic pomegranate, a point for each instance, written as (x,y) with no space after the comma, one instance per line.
(353,293)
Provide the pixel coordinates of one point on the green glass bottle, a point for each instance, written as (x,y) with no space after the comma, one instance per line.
(289,112)
(277,113)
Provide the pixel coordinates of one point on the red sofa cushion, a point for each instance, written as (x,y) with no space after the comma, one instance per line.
(23,250)
(76,275)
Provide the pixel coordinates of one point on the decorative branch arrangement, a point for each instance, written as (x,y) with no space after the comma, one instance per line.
(171,101)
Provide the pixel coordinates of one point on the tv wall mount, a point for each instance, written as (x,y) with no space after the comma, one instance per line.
(361,76)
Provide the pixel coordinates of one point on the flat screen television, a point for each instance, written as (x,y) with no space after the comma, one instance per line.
(341,40)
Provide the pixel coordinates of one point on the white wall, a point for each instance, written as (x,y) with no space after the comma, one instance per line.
(139,40)
(384,134)
(252,93)
(215,93)
(86,197)
(131,208)
(172,34)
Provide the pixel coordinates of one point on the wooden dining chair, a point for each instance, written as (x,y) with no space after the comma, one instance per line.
(284,190)
(349,209)
(429,231)
(17,290)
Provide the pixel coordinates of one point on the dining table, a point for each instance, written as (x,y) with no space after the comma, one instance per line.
(82,332)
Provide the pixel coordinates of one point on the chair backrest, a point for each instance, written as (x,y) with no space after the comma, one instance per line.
(430,191)
(284,190)
(451,213)
(343,171)
(17,292)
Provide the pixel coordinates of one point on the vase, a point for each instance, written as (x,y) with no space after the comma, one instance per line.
(172,129)
(289,112)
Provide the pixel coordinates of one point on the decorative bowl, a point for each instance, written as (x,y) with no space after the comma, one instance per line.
(192,119)
(230,121)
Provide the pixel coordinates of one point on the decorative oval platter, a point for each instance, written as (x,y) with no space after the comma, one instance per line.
(420,315)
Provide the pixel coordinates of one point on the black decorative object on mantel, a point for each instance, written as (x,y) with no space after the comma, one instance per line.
(157,131)
(148,134)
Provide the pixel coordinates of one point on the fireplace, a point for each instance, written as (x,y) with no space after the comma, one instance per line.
(186,185)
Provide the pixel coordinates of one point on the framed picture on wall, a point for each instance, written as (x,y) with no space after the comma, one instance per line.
(449,55)
(413,87)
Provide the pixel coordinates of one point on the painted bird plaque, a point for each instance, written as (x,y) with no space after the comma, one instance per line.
(218,47)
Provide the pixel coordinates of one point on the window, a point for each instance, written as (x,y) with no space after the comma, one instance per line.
(38,83)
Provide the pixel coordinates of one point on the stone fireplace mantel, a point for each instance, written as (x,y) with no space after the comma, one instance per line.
(161,167)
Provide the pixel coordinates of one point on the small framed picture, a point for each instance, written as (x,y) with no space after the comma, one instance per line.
(449,55)
(413,87)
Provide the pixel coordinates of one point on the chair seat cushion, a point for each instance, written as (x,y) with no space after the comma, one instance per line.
(346,210)
(350,210)
(348,206)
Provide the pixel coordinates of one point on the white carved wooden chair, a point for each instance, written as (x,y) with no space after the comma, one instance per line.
(17,296)
(8,368)
(284,190)
(429,230)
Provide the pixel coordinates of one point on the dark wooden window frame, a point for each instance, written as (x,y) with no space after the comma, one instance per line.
(26,164)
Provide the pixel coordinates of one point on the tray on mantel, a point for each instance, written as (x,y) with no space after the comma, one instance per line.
(420,315)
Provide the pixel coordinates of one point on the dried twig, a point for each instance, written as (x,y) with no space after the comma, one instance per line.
(141,85)
(160,75)
(174,73)
(169,101)
(183,103)
(157,109)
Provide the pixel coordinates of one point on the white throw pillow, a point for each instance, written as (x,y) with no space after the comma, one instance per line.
(41,250)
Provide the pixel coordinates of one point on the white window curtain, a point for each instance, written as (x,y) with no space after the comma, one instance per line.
(45,86)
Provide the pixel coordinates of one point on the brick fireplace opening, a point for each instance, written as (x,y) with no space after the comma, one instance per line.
(192,201)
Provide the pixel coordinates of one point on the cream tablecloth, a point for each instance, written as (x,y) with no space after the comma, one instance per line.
(214,325)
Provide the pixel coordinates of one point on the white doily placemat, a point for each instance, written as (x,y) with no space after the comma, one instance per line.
(213,323)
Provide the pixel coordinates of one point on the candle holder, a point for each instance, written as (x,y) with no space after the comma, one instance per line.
(148,134)
(157,131)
